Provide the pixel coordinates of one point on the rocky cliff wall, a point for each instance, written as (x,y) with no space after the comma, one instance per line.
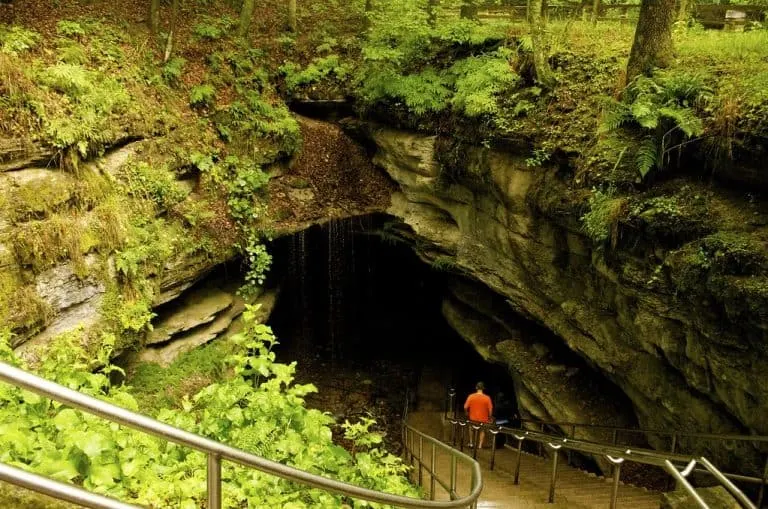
(681,362)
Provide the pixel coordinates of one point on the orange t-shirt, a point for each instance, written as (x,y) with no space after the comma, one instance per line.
(479,407)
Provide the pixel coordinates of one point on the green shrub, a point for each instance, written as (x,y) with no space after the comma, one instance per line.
(254,114)
(600,222)
(15,39)
(662,110)
(480,81)
(173,70)
(70,29)
(94,99)
(157,184)
(319,69)
(259,409)
(72,53)
(202,96)
(211,29)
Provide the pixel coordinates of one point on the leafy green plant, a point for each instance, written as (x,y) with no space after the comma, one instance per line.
(662,109)
(95,99)
(259,408)
(173,70)
(16,39)
(319,69)
(71,29)
(479,82)
(601,221)
(202,95)
(211,29)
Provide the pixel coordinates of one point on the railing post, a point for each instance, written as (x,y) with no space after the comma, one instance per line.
(454,424)
(615,490)
(214,482)
(519,457)
(761,492)
(462,425)
(475,437)
(453,477)
(432,475)
(451,403)
(553,482)
(493,434)
(572,437)
(421,457)
(672,482)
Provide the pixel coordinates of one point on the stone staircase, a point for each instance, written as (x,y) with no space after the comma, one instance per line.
(575,488)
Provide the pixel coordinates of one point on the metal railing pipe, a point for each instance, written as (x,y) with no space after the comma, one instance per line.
(669,467)
(553,482)
(214,482)
(732,489)
(43,387)
(59,490)
(616,467)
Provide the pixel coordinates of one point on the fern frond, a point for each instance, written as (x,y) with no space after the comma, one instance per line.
(684,118)
(615,114)
(645,113)
(647,156)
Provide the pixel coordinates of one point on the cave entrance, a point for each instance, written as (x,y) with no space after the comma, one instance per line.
(361,314)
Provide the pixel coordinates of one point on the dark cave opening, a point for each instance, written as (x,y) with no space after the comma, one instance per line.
(357,299)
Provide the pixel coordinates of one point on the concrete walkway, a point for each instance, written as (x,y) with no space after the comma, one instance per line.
(575,489)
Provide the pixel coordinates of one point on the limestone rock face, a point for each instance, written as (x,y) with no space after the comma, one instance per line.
(195,309)
(225,322)
(65,295)
(680,369)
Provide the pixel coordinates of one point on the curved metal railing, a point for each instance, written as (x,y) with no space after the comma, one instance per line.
(216,452)
(570,430)
(677,465)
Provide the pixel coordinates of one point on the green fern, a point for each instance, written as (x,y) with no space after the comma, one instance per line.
(615,114)
(661,108)
(202,95)
(684,119)
(647,156)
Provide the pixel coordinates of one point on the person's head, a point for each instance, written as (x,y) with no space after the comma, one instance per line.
(480,386)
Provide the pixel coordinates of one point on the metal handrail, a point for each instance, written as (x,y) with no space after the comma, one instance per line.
(216,452)
(678,465)
(674,435)
(680,434)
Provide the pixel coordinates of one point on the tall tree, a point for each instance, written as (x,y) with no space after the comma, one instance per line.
(292,24)
(246,13)
(682,13)
(175,5)
(595,11)
(543,73)
(469,9)
(154,15)
(432,12)
(652,46)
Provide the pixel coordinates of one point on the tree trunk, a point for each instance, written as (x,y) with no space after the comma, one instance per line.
(528,16)
(653,38)
(174,17)
(595,11)
(544,12)
(432,12)
(154,16)
(469,9)
(292,24)
(682,14)
(246,13)
(368,10)
(543,73)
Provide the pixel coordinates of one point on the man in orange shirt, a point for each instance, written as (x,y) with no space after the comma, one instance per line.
(479,409)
